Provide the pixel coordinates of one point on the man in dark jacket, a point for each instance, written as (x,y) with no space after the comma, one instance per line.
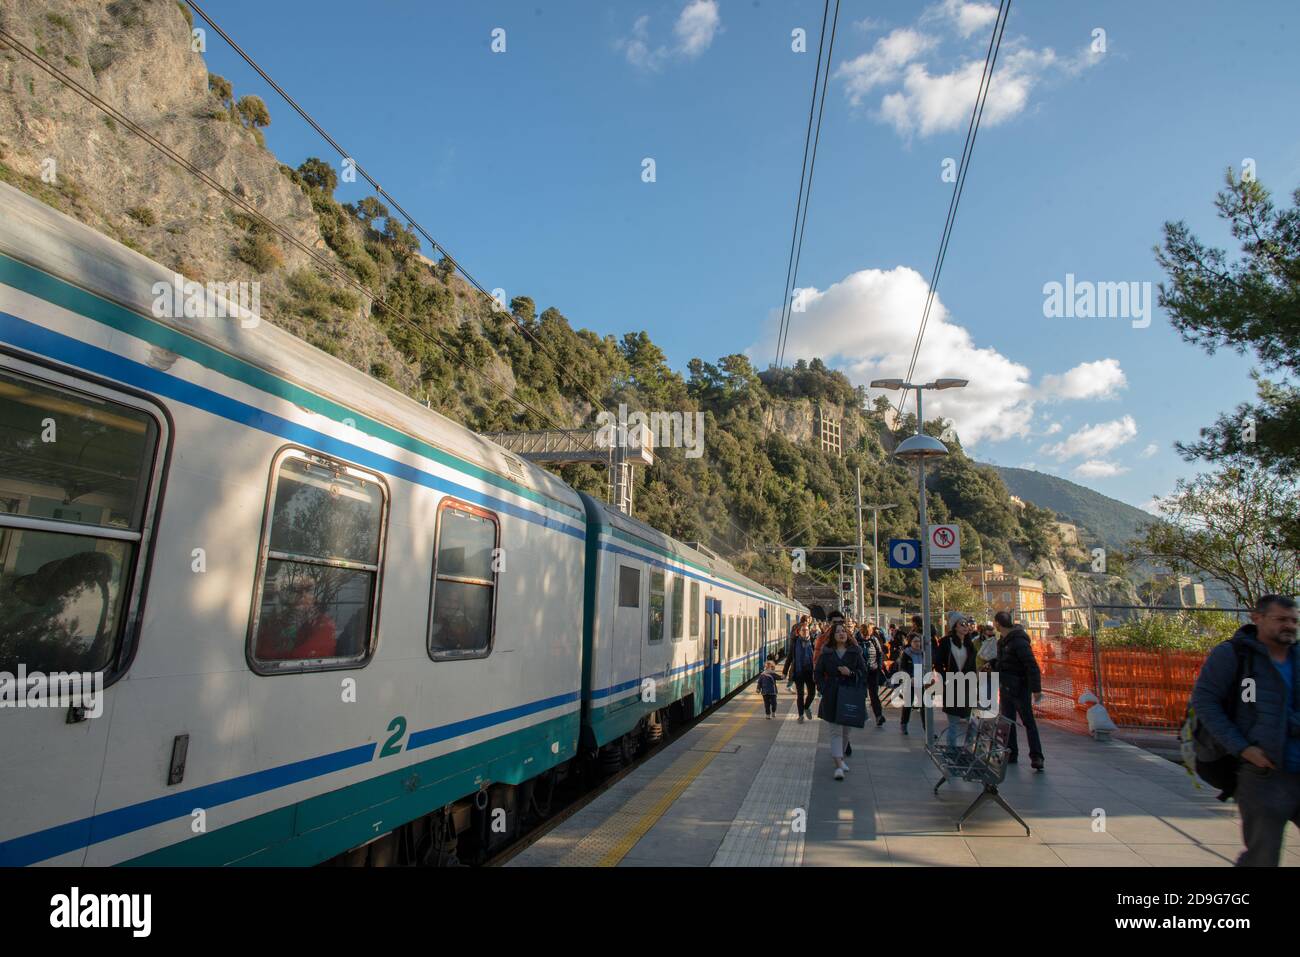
(1263,728)
(1018,678)
(799,669)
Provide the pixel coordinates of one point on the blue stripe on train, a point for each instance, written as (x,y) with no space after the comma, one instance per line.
(51,842)
(54,345)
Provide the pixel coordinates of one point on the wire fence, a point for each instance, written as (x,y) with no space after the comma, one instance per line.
(1140,661)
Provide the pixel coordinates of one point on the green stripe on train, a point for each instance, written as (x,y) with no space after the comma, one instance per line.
(60,293)
(318,828)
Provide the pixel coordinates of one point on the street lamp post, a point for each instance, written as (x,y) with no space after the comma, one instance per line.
(920,448)
(875,543)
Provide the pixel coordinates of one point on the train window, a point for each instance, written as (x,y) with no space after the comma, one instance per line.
(629,587)
(695,609)
(462,617)
(679,608)
(316,594)
(75,476)
(655,622)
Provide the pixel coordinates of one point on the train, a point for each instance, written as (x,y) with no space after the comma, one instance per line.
(318,622)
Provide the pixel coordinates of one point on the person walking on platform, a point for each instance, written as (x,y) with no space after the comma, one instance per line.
(767,688)
(841,663)
(873,652)
(1263,733)
(799,670)
(957,657)
(910,666)
(1018,678)
(897,642)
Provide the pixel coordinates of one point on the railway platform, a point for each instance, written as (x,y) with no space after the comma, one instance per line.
(739,790)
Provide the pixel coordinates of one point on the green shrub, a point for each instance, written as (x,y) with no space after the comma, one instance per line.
(253,112)
(221,89)
(185,11)
(142,215)
(60,21)
(260,252)
(1175,631)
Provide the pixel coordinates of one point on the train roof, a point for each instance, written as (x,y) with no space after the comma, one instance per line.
(40,236)
(612,517)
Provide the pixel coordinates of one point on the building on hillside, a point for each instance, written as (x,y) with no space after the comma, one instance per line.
(1017,502)
(1061,619)
(1023,597)
(1183,592)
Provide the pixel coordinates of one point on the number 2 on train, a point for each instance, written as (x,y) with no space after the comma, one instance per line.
(392,745)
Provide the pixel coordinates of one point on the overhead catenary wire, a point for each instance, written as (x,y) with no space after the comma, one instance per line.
(344,154)
(812,167)
(118,117)
(972,131)
(803,179)
(434,244)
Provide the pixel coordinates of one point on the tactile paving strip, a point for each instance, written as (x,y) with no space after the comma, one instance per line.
(763,833)
(611,840)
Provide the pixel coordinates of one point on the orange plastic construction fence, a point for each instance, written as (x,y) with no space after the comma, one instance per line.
(1140,688)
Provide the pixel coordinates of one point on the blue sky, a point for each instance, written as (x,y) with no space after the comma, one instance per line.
(527,164)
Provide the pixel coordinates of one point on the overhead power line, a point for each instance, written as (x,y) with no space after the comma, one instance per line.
(803,179)
(972,131)
(438,247)
(117,116)
(812,167)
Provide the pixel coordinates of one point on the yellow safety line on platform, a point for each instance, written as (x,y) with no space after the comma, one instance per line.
(610,841)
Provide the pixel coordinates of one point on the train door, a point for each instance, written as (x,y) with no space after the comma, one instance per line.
(625,636)
(712,650)
(762,639)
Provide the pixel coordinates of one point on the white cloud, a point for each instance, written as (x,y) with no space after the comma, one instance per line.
(935,97)
(1089,380)
(865,325)
(966,18)
(929,104)
(1097,468)
(1094,440)
(1150,450)
(858,325)
(881,65)
(1054,427)
(695,28)
(696,25)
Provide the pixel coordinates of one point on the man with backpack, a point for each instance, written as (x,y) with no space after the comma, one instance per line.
(1246,698)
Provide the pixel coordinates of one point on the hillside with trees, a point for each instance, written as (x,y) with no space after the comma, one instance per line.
(354,280)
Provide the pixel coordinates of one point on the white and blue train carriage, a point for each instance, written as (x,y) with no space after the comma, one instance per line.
(331,624)
(321,610)
(668,630)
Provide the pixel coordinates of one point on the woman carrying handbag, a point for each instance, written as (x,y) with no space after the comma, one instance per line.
(842,681)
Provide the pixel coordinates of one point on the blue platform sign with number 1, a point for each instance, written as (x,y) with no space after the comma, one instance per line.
(904,553)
